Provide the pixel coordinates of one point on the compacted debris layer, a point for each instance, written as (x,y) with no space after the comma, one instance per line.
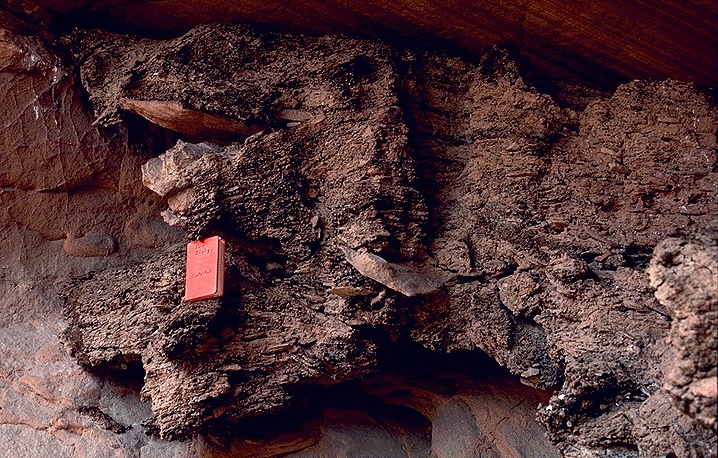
(425,256)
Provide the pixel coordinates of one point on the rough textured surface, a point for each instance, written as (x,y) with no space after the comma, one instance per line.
(410,197)
(397,222)
(685,276)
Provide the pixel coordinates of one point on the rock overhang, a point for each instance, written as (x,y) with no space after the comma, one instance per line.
(605,43)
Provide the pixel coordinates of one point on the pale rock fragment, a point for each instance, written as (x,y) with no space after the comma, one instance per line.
(89,245)
(406,280)
(350,291)
(166,173)
(706,387)
(294,115)
(181,201)
(173,116)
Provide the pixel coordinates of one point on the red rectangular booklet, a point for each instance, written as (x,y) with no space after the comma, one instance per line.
(205,269)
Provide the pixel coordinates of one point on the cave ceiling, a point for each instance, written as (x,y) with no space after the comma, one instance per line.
(599,42)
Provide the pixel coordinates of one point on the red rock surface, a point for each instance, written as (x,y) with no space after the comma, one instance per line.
(596,41)
(424,253)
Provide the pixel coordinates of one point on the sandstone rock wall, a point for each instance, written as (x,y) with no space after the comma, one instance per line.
(72,202)
(386,211)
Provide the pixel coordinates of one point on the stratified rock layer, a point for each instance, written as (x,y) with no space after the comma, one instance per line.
(391,197)
(601,41)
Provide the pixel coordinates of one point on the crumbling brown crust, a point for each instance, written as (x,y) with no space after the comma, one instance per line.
(536,222)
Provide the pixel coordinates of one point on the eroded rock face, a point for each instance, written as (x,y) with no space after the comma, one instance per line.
(286,201)
(393,196)
(685,276)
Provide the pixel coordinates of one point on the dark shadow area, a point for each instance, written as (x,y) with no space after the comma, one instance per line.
(129,376)
(405,368)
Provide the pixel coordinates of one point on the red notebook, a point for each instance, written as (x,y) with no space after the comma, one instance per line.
(205,269)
